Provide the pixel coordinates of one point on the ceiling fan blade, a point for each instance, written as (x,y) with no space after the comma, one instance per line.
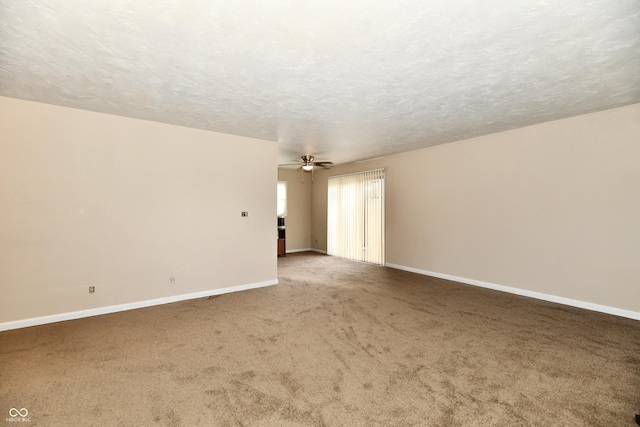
(323,163)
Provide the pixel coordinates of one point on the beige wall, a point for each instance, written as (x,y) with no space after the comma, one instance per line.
(552,208)
(298,221)
(125,204)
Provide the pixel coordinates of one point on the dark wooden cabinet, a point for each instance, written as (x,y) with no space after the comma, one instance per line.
(282,242)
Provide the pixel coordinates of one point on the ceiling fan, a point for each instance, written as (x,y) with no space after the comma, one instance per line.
(307,164)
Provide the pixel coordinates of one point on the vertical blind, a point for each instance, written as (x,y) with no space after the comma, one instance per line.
(355,217)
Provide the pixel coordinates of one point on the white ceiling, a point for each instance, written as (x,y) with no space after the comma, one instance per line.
(344,80)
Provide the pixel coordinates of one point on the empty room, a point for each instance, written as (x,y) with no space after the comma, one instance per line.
(244,213)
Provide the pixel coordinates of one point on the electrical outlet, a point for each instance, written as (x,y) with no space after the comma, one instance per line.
(92,289)
(172,280)
(245,213)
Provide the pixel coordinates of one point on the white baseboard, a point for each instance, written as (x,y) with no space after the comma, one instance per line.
(293,251)
(523,292)
(17,324)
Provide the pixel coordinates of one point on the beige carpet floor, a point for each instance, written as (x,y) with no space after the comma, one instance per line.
(336,343)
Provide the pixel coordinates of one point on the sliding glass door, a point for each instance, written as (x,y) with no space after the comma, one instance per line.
(355,227)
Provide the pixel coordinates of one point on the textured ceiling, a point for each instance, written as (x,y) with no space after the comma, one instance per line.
(344,80)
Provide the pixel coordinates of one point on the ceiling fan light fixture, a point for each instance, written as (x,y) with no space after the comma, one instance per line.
(307,168)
